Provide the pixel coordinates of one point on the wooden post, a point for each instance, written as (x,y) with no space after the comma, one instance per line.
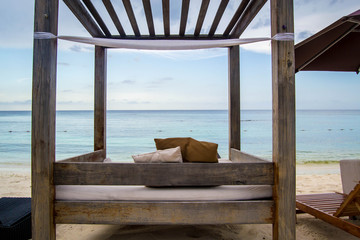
(234,98)
(283,82)
(100,100)
(43,121)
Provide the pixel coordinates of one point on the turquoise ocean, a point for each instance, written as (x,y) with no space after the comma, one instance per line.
(321,135)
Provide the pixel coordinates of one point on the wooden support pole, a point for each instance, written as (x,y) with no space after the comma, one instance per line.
(283,82)
(43,121)
(234,98)
(100,100)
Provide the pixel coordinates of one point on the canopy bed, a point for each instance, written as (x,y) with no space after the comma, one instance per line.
(89,169)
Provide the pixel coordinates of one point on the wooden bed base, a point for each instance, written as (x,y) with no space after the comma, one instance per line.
(246,169)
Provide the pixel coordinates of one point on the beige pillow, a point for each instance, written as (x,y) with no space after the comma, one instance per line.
(171,155)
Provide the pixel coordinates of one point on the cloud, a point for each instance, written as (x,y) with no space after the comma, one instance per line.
(128,81)
(310,17)
(63,64)
(24,80)
(159,82)
(163,79)
(67,91)
(24,102)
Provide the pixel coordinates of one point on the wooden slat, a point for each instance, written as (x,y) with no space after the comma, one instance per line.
(245,19)
(110,8)
(43,121)
(283,92)
(178,37)
(242,157)
(349,203)
(97,17)
(149,17)
(218,16)
(100,100)
(335,221)
(84,17)
(131,16)
(234,98)
(236,17)
(202,13)
(96,156)
(184,16)
(163,174)
(166,16)
(113,212)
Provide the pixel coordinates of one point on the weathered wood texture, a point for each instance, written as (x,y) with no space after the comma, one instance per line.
(131,16)
(242,157)
(163,174)
(236,17)
(84,17)
(246,18)
(202,13)
(149,17)
(351,204)
(218,16)
(97,17)
(113,212)
(166,16)
(283,82)
(234,98)
(96,156)
(43,121)
(184,16)
(110,8)
(324,206)
(89,16)
(100,100)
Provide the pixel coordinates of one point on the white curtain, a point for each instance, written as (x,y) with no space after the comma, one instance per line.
(163,44)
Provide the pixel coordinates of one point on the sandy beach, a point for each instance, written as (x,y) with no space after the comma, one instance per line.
(311,178)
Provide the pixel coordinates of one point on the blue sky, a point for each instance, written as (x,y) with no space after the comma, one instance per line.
(169,80)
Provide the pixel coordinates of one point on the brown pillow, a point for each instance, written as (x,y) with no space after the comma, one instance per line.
(205,152)
(191,149)
(166,143)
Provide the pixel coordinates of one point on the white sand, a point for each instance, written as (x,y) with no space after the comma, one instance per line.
(311,178)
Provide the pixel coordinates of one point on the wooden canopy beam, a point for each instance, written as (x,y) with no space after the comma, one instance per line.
(202,13)
(218,16)
(184,16)
(43,121)
(236,17)
(245,19)
(166,16)
(149,17)
(97,17)
(284,150)
(234,98)
(100,100)
(84,17)
(131,17)
(110,8)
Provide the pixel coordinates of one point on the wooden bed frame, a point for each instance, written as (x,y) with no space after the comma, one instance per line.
(87,169)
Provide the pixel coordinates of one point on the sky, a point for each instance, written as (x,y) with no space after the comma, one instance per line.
(161,80)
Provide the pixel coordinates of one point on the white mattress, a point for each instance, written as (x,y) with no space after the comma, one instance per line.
(142,193)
